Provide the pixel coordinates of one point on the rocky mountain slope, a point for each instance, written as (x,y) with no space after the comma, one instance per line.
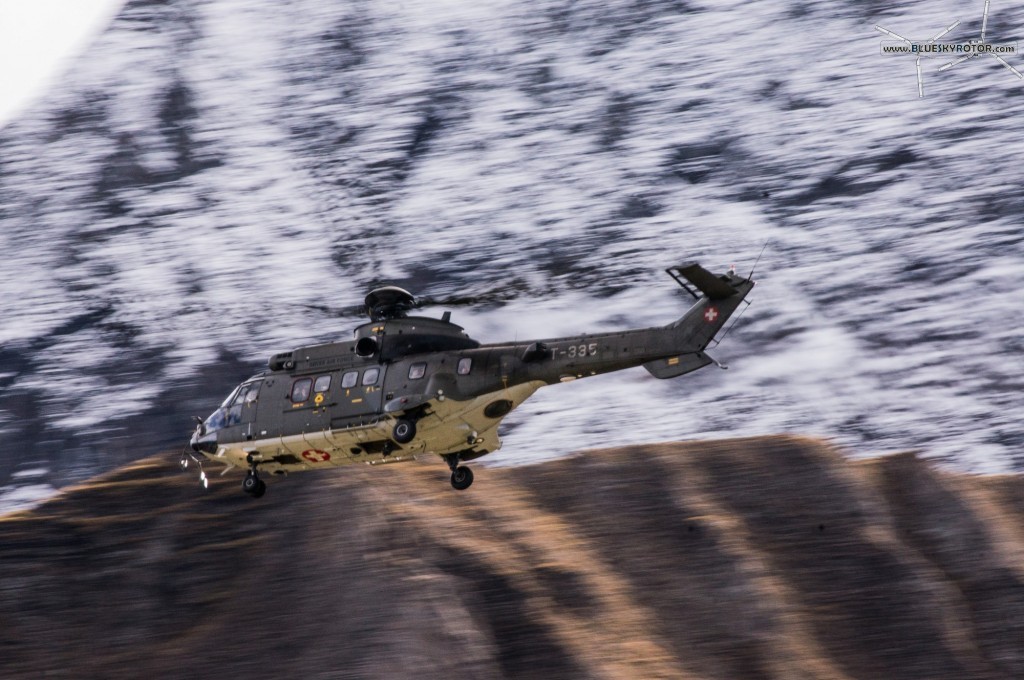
(216,181)
(748,558)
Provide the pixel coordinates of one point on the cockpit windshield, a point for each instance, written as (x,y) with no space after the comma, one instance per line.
(239,406)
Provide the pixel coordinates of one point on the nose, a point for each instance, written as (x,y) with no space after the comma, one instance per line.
(205,443)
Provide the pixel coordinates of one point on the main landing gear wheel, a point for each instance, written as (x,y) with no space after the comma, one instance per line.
(404,432)
(462,477)
(254,486)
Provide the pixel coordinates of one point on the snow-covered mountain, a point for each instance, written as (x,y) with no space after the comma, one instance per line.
(214,177)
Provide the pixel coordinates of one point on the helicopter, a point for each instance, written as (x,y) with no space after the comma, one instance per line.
(408,385)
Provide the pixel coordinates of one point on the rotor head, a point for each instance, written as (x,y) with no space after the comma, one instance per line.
(389,302)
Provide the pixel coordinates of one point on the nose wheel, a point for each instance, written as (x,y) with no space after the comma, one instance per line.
(462,476)
(253,485)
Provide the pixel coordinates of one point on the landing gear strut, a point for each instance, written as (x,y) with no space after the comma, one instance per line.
(253,485)
(462,476)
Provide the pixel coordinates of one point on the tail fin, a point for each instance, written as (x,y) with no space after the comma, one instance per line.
(719,299)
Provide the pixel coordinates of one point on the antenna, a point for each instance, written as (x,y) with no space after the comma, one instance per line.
(751,275)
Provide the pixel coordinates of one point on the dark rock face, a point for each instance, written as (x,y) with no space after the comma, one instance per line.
(751,558)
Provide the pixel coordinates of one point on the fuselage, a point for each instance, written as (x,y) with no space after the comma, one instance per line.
(337,403)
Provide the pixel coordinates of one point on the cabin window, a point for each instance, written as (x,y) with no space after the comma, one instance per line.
(300,390)
(465,366)
(322,384)
(417,370)
(370,376)
(349,379)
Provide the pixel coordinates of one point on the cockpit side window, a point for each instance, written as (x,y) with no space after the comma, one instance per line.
(231,397)
(235,410)
(240,395)
(239,406)
(300,390)
(217,420)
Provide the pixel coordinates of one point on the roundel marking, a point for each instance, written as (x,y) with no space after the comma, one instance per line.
(316,456)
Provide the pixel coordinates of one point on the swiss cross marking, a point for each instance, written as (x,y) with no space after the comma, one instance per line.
(711,314)
(316,456)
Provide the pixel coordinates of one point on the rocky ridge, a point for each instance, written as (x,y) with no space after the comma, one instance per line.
(749,558)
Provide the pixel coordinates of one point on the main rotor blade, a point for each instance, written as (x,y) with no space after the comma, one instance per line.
(950,28)
(894,35)
(357,310)
(946,67)
(463,300)
(1004,63)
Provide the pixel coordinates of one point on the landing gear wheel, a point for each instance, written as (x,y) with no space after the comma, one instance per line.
(404,432)
(254,486)
(260,490)
(462,477)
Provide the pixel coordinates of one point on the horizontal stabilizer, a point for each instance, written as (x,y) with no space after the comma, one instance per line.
(676,366)
(706,282)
